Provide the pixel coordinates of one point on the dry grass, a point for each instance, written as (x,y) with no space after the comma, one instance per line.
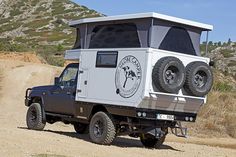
(218,117)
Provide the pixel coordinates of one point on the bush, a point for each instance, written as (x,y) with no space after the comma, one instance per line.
(51,54)
(13,47)
(227,53)
(222,87)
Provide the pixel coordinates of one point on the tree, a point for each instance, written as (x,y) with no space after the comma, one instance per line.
(210,43)
(129,74)
(60,48)
(229,41)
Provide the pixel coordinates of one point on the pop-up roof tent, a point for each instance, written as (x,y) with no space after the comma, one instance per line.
(153,30)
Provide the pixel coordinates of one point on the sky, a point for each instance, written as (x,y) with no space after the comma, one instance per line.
(219,13)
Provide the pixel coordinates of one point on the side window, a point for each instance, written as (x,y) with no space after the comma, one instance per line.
(77,44)
(115,36)
(68,77)
(106,59)
(178,40)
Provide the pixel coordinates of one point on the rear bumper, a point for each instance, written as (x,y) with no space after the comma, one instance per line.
(151,114)
(172,103)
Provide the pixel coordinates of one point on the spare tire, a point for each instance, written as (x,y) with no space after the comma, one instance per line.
(199,79)
(168,75)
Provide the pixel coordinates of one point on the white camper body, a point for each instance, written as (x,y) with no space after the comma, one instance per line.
(103,85)
(99,85)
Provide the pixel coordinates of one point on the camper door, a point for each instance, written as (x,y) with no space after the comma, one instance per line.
(82,78)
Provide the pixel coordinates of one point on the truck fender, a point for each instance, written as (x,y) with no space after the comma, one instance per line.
(40,100)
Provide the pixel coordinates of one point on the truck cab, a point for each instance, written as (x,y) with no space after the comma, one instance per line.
(135,75)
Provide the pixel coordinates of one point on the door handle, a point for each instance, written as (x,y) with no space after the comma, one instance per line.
(68,93)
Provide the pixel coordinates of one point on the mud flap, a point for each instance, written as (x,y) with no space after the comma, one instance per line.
(157,133)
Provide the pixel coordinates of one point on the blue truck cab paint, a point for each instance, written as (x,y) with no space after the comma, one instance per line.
(57,98)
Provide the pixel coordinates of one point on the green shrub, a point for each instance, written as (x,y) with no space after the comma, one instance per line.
(51,54)
(13,47)
(227,53)
(222,87)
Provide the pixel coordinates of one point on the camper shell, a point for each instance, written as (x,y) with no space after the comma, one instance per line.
(146,37)
(136,72)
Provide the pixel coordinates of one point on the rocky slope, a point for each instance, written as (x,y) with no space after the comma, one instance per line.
(225,58)
(40,22)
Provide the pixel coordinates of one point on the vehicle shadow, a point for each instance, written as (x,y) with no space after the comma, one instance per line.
(119,141)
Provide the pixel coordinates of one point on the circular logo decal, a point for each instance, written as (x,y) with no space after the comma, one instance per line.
(128,76)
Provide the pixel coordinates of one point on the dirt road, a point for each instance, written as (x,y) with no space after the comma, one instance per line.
(60,139)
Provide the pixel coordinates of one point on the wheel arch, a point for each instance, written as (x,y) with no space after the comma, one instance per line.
(97,108)
(38,99)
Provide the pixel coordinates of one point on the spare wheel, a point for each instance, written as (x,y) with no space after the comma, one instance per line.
(199,79)
(168,75)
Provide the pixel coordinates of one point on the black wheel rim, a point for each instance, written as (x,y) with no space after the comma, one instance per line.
(98,128)
(171,75)
(200,79)
(33,116)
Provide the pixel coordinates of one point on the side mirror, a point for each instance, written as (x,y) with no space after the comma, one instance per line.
(56,81)
(212,63)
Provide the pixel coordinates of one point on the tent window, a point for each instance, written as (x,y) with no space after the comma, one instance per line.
(78,41)
(115,36)
(177,39)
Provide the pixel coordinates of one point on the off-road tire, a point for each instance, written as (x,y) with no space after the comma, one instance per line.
(150,141)
(34,117)
(168,75)
(81,128)
(106,123)
(199,79)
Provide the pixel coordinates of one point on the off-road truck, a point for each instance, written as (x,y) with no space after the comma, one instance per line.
(138,75)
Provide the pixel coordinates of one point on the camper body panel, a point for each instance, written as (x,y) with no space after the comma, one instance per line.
(121,85)
(180,102)
(91,76)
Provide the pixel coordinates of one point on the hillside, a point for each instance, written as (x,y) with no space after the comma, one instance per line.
(42,22)
(224,56)
(40,25)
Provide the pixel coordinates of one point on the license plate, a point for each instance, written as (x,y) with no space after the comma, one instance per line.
(165,117)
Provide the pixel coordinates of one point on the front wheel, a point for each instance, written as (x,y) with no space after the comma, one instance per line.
(150,141)
(102,128)
(34,117)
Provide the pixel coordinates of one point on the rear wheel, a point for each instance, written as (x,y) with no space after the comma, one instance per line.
(150,141)
(34,117)
(81,128)
(102,128)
